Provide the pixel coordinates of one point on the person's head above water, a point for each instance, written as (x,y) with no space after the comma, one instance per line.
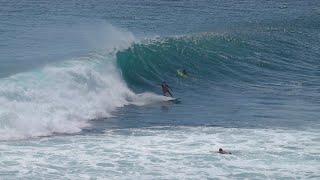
(221,151)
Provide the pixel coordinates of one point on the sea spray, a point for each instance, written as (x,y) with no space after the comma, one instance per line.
(62,97)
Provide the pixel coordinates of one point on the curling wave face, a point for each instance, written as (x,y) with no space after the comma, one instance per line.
(235,59)
(224,69)
(62,97)
(238,79)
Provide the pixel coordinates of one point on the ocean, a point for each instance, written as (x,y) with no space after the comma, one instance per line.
(81,98)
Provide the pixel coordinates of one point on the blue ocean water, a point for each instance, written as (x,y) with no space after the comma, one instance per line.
(80,89)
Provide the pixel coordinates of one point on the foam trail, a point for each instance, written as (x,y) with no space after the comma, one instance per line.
(62,97)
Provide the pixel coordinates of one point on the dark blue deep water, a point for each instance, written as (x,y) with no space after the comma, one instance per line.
(80,89)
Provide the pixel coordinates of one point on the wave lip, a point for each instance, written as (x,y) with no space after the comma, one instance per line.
(62,97)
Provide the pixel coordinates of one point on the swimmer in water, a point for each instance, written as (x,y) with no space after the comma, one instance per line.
(221,151)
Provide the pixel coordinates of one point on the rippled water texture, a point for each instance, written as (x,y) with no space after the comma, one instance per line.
(80,89)
(165,152)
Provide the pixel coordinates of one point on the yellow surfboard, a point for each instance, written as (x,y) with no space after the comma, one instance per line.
(181,74)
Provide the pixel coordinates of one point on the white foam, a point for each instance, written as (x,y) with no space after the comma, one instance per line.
(166,153)
(61,98)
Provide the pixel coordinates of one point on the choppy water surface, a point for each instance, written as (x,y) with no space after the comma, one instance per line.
(166,152)
(80,97)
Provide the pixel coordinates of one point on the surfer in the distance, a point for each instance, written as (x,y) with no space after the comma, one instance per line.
(182,73)
(221,151)
(166,89)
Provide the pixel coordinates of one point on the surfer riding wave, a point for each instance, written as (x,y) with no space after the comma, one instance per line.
(166,89)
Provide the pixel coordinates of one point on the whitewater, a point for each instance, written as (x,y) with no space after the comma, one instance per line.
(80,94)
(63,97)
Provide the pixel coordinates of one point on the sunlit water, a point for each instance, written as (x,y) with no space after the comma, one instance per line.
(80,97)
